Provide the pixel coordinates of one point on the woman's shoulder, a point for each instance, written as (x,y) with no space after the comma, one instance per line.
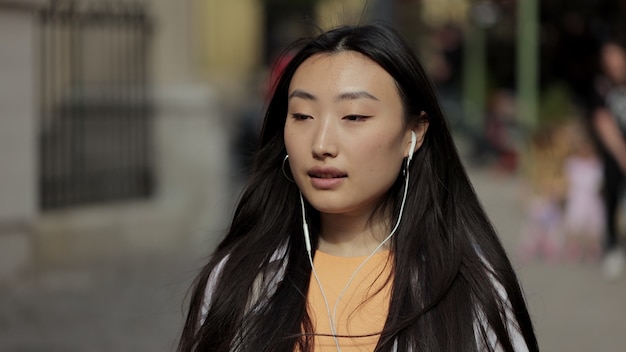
(265,284)
(209,289)
(508,314)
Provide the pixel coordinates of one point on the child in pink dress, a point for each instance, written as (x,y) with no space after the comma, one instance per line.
(584,213)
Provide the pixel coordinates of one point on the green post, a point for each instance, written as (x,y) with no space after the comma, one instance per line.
(528,62)
(474,77)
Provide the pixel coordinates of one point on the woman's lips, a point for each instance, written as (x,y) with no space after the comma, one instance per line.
(325,177)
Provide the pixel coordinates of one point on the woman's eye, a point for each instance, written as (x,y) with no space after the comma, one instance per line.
(300,116)
(355,117)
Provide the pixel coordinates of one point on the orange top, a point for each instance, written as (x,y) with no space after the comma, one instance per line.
(363,307)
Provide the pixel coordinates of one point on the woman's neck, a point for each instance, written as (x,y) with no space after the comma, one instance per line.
(351,235)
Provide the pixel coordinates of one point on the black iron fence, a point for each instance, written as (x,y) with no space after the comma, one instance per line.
(96,111)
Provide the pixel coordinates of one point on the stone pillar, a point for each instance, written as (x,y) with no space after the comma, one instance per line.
(193,163)
(18,135)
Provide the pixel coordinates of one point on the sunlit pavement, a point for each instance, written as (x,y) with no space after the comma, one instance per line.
(135,304)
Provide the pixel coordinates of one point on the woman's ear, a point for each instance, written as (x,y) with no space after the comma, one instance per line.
(419,126)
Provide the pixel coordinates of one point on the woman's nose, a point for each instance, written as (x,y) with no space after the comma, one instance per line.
(324,140)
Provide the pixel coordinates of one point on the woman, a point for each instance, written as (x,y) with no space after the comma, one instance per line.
(358,229)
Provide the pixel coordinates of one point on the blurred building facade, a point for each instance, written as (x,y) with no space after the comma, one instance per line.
(113,142)
(114,122)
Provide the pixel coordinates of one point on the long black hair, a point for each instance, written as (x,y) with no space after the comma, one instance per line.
(453,286)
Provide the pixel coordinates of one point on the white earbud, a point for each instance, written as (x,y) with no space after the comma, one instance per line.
(413,143)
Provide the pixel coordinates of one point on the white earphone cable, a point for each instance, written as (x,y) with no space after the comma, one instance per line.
(319,282)
(333,317)
(395,228)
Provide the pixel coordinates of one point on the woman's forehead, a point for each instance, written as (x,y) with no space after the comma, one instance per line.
(327,74)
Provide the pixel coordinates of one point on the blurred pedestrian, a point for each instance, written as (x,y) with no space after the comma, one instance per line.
(358,228)
(584,214)
(608,121)
(498,141)
(246,134)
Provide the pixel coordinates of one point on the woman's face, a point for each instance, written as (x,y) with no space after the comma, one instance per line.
(345,132)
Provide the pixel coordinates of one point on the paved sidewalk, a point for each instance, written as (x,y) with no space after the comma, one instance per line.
(132,304)
(135,304)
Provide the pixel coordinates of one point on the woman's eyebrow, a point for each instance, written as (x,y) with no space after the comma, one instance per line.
(360,94)
(302,95)
(355,95)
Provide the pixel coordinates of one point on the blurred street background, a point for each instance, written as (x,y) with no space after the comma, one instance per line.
(126,128)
